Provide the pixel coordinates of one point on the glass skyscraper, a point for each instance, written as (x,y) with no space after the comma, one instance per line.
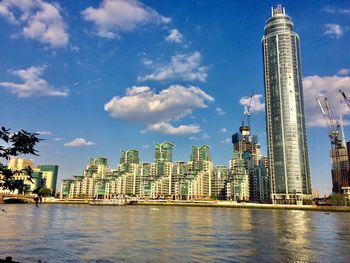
(286,134)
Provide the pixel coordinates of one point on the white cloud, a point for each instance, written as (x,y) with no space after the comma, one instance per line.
(44,132)
(147,62)
(220,111)
(335,10)
(255,104)
(5,12)
(114,16)
(334,30)
(77,142)
(58,139)
(74,48)
(167,128)
(157,110)
(165,20)
(325,87)
(141,104)
(174,36)
(39,20)
(33,84)
(182,66)
(226,141)
(344,71)
(329,9)
(223,130)
(204,136)
(146,146)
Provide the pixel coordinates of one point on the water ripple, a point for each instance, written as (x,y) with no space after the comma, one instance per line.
(80,233)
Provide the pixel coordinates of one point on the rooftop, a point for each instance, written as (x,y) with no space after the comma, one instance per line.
(278,10)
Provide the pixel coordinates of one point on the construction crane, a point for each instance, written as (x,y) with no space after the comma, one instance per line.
(333,126)
(345,98)
(247,109)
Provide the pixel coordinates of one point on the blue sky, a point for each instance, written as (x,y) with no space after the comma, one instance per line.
(95,77)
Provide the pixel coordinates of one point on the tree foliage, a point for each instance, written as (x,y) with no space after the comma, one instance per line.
(45,191)
(11,145)
(337,199)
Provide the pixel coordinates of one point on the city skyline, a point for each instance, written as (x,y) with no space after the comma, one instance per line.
(245,179)
(73,77)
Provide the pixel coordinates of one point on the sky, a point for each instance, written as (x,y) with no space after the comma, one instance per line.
(96,77)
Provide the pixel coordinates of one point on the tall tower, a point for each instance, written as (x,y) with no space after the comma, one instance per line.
(286,134)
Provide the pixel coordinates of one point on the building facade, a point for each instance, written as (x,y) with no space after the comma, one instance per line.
(286,134)
(197,179)
(128,157)
(340,168)
(49,176)
(244,141)
(43,176)
(163,152)
(238,185)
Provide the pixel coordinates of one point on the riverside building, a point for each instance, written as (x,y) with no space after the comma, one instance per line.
(44,176)
(244,141)
(161,178)
(196,179)
(286,134)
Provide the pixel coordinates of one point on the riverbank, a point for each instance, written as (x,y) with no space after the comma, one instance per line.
(225,204)
(230,204)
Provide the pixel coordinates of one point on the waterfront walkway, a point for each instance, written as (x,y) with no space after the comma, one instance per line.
(211,203)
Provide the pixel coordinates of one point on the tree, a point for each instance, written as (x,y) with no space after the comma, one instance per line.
(14,144)
(45,191)
(337,199)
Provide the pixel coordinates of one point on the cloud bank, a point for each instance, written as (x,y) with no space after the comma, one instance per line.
(44,132)
(256,104)
(185,67)
(157,110)
(33,84)
(115,16)
(39,20)
(174,36)
(334,30)
(325,87)
(78,142)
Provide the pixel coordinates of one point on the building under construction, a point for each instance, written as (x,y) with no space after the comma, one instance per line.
(340,168)
(339,152)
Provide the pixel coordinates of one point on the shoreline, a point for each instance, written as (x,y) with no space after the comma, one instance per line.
(219,204)
(228,204)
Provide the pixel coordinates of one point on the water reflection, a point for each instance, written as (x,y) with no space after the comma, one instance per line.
(292,231)
(76,233)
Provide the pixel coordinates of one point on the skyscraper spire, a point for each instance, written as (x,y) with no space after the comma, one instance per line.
(278,10)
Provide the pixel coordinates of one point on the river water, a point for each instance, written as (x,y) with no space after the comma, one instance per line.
(82,233)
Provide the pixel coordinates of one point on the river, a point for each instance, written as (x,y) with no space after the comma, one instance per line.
(82,233)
